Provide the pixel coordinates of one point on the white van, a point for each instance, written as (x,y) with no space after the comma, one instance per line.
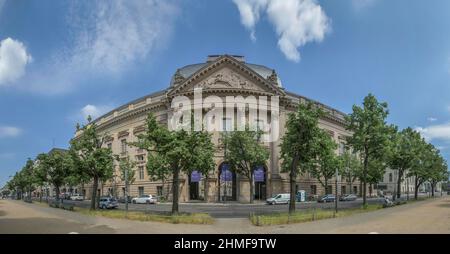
(282,198)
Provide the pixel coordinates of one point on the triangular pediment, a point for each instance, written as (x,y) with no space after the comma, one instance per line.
(224,74)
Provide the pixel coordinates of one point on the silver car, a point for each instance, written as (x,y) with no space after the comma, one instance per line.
(108,203)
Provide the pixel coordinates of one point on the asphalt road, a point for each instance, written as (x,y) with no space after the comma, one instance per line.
(232,209)
(428,216)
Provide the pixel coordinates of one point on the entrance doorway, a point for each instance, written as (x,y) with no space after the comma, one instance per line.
(227,183)
(194,183)
(260,179)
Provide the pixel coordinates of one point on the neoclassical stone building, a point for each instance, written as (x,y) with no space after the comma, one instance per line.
(220,75)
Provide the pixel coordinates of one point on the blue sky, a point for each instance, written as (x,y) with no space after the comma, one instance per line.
(60,60)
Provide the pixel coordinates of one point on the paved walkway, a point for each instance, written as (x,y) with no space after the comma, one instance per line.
(431,216)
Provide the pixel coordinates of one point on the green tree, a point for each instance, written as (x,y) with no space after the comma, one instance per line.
(173,152)
(244,153)
(298,147)
(326,163)
(438,171)
(403,152)
(92,158)
(29,177)
(370,134)
(54,168)
(423,164)
(351,167)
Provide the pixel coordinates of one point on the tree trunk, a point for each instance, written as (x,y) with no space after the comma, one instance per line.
(416,188)
(175,193)
(94,194)
(40,196)
(399,182)
(57,193)
(370,190)
(292,182)
(251,188)
(326,187)
(351,186)
(206,188)
(364,191)
(432,189)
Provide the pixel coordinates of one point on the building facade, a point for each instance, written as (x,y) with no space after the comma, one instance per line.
(219,77)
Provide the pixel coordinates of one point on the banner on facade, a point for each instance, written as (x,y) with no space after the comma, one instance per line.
(258,174)
(196,176)
(225,174)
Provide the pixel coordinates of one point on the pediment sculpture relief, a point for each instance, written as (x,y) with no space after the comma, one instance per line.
(226,78)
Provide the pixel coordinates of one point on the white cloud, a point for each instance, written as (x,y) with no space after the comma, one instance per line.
(107,38)
(296,22)
(431,119)
(13,60)
(359,5)
(250,11)
(94,111)
(435,132)
(9,131)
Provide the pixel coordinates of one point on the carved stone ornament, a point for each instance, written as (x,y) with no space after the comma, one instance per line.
(273,78)
(178,78)
(226,78)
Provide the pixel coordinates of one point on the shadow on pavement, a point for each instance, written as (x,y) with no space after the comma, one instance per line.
(49,226)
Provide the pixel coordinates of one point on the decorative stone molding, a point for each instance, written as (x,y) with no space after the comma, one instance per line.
(109,138)
(178,78)
(273,78)
(123,134)
(140,128)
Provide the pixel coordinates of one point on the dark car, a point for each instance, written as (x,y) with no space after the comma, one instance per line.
(327,198)
(122,199)
(348,197)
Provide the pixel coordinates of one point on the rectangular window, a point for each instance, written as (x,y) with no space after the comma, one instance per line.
(226,124)
(123,143)
(390,177)
(343,190)
(313,189)
(141,172)
(341,148)
(109,146)
(159,190)
(140,158)
(329,189)
(141,191)
(260,125)
(355,190)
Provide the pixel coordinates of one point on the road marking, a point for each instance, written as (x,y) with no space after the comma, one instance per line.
(73,233)
(373,233)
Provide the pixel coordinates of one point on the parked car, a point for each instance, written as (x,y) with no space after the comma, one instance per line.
(144,199)
(327,198)
(279,199)
(77,197)
(348,197)
(64,195)
(108,203)
(122,199)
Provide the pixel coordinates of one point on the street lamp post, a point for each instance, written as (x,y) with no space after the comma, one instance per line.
(336,196)
(126,192)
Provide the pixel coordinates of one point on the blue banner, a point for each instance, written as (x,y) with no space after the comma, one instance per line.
(196,176)
(225,174)
(259,174)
